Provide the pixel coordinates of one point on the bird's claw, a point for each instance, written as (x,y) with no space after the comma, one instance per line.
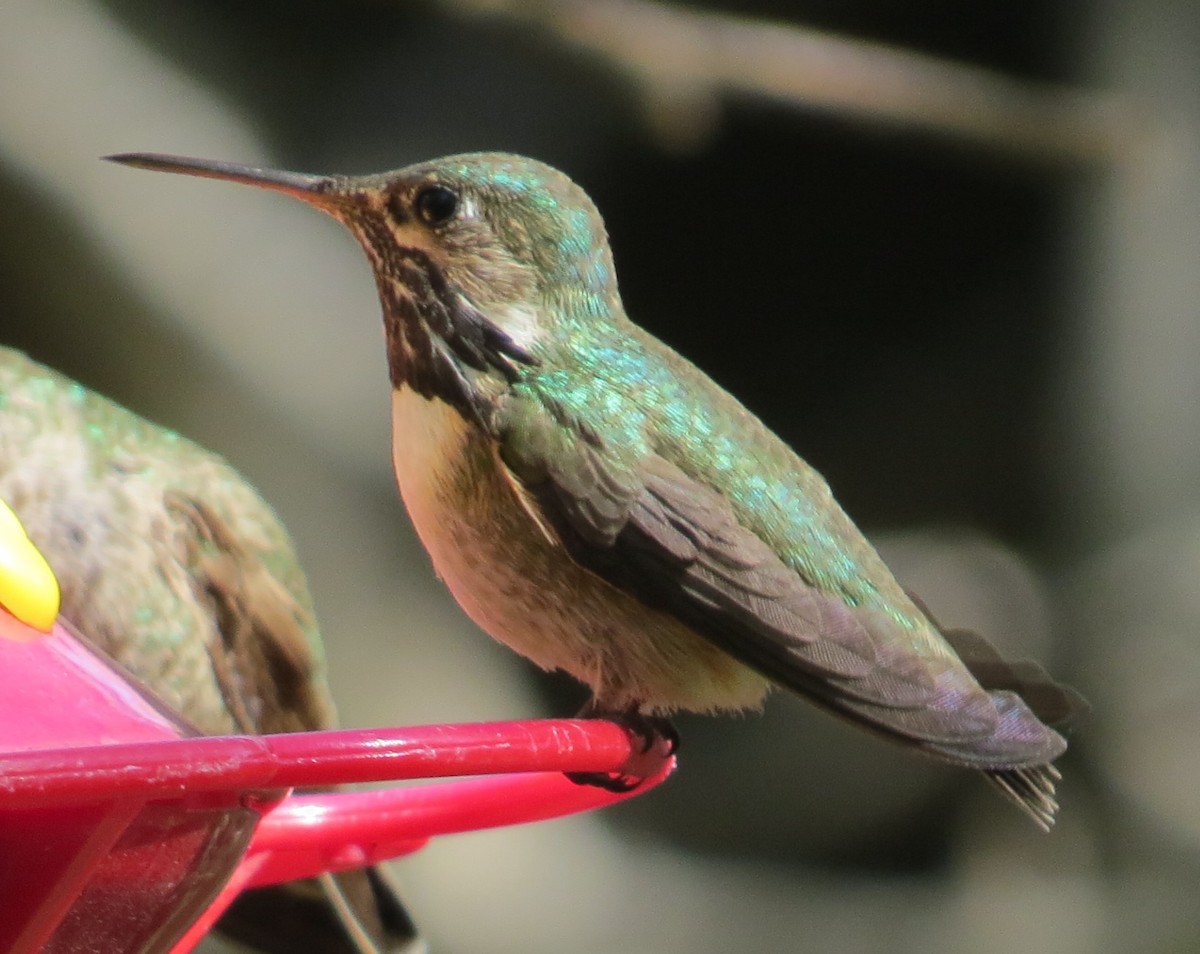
(650,734)
(614,782)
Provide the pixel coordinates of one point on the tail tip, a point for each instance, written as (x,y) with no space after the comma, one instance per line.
(1031,789)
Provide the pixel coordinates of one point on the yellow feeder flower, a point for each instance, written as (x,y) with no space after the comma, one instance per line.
(28,587)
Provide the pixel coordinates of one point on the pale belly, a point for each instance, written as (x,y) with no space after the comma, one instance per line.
(525,591)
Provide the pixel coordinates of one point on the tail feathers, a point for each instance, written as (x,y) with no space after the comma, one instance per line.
(1031,790)
(369,908)
(1055,703)
(352,912)
(1016,758)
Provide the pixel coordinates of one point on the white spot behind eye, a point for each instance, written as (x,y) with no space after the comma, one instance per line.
(519,322)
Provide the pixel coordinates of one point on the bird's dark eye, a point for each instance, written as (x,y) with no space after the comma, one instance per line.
(436,204)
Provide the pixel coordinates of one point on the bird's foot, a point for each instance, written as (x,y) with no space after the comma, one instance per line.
(616,782)
(655,739)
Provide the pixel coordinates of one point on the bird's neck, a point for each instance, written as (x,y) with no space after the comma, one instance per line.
(442,347)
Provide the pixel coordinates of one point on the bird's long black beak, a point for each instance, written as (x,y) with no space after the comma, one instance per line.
(327,193)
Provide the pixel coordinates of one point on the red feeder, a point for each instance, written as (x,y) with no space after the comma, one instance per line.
(120,830)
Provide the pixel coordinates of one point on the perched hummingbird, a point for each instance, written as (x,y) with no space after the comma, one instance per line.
(600,505)
(173,565)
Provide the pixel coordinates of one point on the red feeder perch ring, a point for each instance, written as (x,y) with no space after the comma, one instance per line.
(119,830)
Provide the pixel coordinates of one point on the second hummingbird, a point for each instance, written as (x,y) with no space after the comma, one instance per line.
(172,564)
(602,506)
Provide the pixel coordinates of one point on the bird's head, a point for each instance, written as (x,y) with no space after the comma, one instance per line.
(481,259)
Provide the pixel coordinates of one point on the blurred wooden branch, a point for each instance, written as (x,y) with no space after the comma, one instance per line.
(685,62)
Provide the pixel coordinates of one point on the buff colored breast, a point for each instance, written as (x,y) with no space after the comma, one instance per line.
(524,590)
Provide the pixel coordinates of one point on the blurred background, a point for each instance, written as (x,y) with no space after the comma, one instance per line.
(950,252)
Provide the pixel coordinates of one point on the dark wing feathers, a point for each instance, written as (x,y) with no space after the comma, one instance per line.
(1015,732)
(590,494)
(738,575)
(649,529)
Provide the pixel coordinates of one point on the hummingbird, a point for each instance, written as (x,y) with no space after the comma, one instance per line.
(603,507)
(171,564)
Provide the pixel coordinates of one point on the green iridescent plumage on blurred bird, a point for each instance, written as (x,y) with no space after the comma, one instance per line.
(175,567)
(599,504)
